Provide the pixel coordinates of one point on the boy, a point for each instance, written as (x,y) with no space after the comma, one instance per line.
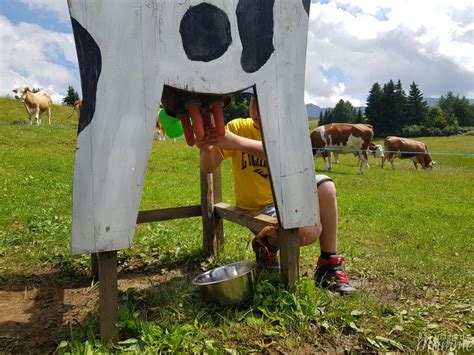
(242,142)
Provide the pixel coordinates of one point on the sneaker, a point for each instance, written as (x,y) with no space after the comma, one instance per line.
(265,254)
(329,275)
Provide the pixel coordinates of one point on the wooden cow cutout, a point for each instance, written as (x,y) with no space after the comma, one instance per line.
(128,50)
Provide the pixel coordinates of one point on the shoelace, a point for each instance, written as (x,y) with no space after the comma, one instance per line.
(271,258)
(342,277)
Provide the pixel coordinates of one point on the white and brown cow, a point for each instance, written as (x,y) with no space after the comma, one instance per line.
(343,138)
(35,103)
(404,148)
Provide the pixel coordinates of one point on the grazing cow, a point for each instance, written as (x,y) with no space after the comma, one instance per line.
(76,107)
(35,103)
(404,148)
(343,138)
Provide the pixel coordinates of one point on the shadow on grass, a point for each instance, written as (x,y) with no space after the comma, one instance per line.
(33,307)
(37,307)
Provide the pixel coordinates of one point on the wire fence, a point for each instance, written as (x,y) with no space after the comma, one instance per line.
(353,150)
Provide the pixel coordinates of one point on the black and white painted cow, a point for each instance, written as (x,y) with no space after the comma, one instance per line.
(129,51)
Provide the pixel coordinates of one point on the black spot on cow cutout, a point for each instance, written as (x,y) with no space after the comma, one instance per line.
(90,66)
(306,4)
(255,21)
(205,32)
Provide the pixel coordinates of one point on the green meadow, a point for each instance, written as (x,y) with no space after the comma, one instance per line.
(407,236)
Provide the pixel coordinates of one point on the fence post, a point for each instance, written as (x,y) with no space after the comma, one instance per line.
(289,255)
(212,225)
(108,296)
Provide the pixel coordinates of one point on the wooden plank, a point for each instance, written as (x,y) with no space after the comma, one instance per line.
(243,217)
(289,255)
(218,221)
(212,228)
(217,185)
(108,296)
(95,267)
(165,214)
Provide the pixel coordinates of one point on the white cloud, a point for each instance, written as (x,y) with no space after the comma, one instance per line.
(58,7)
(36,57)
(429,42)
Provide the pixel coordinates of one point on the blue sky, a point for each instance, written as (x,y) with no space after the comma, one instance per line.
(351,45)
(44,18)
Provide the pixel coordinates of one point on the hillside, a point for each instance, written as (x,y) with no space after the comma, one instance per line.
(13,111)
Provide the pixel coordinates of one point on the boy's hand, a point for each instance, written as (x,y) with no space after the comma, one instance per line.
(209,140)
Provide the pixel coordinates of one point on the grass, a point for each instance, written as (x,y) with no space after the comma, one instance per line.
(407,236)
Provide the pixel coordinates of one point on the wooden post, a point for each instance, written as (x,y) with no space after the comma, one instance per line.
(108,296)
(289,255)
(212,225)
(218,221)
(94,267)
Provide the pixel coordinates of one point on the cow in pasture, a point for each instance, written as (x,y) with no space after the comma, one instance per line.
(36,103)
(404,148)
(342,138)
(76,107)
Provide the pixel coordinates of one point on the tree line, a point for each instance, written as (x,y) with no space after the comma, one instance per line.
(238,106)
(392,112)
(388,109)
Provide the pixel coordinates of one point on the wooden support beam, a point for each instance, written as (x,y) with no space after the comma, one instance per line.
(216,198)
(95,267)
(166,214)
(108,296)
(212,224)
(289,255)
(243,217)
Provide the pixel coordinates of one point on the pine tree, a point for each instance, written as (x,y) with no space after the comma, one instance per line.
(344,112)
(321,118)
(388,111)
(71,97)
(359,118)
(372,110)
(328,116)
(400,107)
(416,107)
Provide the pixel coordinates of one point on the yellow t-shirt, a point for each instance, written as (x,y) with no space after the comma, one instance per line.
(251,180)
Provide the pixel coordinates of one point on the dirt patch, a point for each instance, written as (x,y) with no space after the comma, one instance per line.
(36,310)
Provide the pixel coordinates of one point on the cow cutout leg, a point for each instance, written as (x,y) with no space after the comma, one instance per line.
(110,169)
(283,140)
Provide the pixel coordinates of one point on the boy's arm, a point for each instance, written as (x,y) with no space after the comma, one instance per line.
(211,148)
(232,141)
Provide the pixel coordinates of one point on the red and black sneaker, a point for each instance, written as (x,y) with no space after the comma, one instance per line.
(329,275)
(265,254)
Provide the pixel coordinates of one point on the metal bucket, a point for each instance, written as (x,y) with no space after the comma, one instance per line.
(228,285)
